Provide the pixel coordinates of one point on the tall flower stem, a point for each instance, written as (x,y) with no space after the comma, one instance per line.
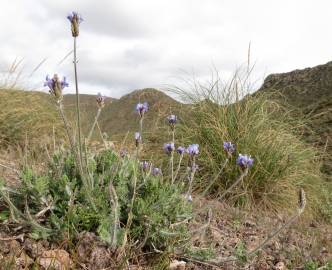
(140,145)
(141,128)
(94,125)
(191,176)
(70,139)
(215,178)
(74,152)
(172,155)
(243,174)
(115,207)
(178,168)
(78,106)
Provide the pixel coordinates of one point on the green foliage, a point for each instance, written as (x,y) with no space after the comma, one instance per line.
(241,253)
(312,265)
(56,204)
(202,254)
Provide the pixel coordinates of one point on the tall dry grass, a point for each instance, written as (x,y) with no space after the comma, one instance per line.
(259,127)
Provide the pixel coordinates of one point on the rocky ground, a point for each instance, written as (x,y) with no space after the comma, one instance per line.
(218,229)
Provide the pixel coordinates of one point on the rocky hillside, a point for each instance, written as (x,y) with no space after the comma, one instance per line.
(309,92)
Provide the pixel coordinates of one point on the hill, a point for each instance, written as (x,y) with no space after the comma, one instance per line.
(309,92)
(117,117)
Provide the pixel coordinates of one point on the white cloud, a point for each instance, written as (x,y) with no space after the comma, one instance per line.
(126,45)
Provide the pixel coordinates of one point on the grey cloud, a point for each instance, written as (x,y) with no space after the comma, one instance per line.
(104,17)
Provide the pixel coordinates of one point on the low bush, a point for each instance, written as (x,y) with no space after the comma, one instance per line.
(123,201)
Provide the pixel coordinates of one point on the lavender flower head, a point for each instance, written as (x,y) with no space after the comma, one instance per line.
(169,147)
(172,119)
(244,161)
(181,150)
(142,108)
(56,85)
(193,149)
(156,171)
(100,100)
(75,20)
(229,148)
(145,165)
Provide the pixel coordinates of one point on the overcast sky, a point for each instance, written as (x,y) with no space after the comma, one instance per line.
(126,45)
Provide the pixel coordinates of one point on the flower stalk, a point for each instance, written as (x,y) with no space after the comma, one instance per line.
(93,125)
(77,105)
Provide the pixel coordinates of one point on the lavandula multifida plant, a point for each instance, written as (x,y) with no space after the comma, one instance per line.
(141,109)
(56,87)
(193,151)
(245,162)
(172,119)
(100,104)
(181,151)
(138,140)
(75,21)
(229,149)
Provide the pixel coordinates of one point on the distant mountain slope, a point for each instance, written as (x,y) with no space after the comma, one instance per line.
(117,117)
(120,116)
(310,91)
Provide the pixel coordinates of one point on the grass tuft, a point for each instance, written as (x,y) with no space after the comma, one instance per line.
(261,128)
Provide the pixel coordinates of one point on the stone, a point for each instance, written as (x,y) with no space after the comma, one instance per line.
(57,259)
(177,265)
(280,266)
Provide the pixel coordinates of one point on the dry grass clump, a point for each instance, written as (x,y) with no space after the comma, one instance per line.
(258,127)
(26,115)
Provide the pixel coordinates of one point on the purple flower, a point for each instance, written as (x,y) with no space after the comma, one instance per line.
(229,147)
(75,20)
(181,150)
(75,16)
(156,171)
(100,100)
(193,149)
(56,85)
(142,108)
(169,147)
(145,165)
(172,119)
(244,161)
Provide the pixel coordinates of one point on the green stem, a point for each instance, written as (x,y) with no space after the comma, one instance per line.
(215,178)
(192,175)
(70,139)
(94,125)
(178,168)
(77,105)
(243,174)
(115,206)
(172,155)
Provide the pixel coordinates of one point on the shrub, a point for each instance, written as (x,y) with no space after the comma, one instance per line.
(56,204)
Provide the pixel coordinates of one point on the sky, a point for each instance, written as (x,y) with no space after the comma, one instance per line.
(126,44)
